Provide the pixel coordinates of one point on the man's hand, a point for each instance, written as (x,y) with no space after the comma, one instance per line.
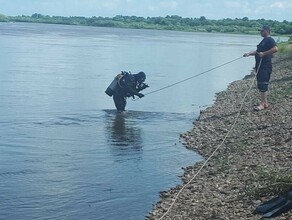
(251,53)
(261,54)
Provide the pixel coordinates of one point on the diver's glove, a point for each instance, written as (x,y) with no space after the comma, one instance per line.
(145,86)
(140,95)
(141,87)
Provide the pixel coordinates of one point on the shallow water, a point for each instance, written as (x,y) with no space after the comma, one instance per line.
(64,152)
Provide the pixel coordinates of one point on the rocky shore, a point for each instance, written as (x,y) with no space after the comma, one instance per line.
(253,165)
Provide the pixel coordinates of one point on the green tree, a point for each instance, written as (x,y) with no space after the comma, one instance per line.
(203,19)
(3,18)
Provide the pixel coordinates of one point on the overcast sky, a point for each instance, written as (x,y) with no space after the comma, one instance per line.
(213,9)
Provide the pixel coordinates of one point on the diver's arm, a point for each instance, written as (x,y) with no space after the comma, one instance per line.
(133,91)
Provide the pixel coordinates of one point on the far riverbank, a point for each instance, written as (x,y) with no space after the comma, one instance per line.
(174,23)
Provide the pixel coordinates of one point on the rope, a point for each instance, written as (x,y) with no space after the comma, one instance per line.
(217,148)
(165,87)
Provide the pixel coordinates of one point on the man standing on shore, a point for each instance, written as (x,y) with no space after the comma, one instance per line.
(263,66)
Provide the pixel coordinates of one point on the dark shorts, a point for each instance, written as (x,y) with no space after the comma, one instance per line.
(263,77)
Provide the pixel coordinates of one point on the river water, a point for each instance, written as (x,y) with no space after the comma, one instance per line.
(64,152)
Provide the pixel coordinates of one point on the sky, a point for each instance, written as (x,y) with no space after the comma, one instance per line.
(279,10)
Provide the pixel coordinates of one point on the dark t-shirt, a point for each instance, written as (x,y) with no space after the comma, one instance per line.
(265,45)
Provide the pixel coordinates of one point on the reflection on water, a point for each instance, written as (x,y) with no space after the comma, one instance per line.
(124,134)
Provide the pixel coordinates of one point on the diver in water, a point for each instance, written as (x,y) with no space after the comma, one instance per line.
(126,85)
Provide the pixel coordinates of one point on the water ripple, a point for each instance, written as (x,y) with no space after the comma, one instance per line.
(16,173)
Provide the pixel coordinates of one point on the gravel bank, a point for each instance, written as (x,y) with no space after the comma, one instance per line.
(253,165)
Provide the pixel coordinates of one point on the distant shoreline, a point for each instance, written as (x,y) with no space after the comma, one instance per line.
(173,22)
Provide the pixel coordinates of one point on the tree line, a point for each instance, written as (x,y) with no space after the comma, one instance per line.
(173,22)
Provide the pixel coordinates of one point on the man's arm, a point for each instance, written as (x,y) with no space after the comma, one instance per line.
(251,53)
(268,52)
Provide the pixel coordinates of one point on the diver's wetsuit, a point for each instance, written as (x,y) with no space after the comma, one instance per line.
(129,85)
(120,102)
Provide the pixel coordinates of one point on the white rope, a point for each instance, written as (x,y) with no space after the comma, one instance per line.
(181,81)
(217,148)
